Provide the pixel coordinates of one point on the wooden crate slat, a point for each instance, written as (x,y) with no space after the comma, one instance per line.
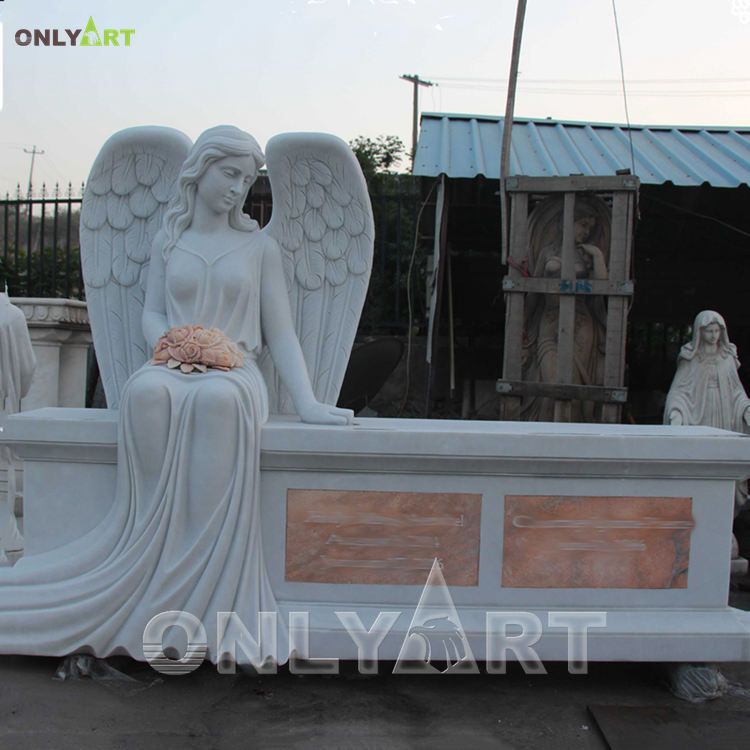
(623,211)
(595,287)
(574,183)
(567,305)
(571,391)
(515,304)
(619,252)
(614,353)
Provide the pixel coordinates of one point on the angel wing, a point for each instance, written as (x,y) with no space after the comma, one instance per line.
(322,219)
(123,205)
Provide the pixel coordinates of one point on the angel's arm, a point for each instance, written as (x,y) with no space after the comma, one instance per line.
(599,270)
(279,333)
(154,321)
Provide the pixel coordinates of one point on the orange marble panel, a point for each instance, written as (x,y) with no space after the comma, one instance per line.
(556,541)
(348,536)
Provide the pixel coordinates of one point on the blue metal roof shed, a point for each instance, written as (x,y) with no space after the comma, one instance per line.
(692,242)
(465,146)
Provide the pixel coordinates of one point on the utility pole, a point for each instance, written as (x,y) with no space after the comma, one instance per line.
(417,82)
(508,126)
(33,153)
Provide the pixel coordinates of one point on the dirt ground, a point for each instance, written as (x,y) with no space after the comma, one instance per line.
(211,711)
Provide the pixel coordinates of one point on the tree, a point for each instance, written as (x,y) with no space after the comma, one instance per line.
(381,155)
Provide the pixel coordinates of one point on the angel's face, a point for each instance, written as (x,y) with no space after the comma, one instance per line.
(224,183)
(583,228)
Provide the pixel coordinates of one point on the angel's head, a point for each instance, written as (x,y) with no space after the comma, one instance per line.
(213,145)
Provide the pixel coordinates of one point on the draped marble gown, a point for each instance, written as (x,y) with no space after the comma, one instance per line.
(184,530)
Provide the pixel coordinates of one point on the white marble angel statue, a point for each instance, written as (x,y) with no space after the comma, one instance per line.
(223,300)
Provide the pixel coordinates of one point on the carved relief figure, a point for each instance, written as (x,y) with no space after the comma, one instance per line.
(541,345)
(184,532)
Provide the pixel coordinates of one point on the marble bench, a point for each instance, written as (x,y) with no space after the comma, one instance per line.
(630,521)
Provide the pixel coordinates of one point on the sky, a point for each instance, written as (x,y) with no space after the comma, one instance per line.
(334,65)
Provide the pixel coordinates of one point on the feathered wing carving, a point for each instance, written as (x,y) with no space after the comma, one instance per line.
(322,220)
(123,206)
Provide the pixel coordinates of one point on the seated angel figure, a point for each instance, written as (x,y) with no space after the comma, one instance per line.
(184,531)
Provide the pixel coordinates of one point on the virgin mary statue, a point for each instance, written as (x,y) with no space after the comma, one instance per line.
(706,389)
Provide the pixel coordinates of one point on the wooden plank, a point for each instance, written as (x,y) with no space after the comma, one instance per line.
(567,310)
(573,183)
(568,392)
(614,353)
(619,255)
(515,306)
(601,287)
(617,311)
(566,320)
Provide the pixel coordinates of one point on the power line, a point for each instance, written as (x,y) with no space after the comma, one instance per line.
(504,81)
(624,93)
(601,92)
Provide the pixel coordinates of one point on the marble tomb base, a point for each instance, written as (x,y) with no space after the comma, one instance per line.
(631,521)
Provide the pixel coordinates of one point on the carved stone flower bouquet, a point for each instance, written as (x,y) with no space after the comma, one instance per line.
(195,348)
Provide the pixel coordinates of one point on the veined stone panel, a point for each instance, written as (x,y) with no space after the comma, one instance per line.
(335,536)
(596,542)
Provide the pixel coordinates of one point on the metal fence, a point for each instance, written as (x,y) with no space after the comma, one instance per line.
(40,248)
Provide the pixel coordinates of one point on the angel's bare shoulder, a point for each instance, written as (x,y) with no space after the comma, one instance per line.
(266,243)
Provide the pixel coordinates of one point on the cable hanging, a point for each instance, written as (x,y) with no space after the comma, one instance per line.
(624,92)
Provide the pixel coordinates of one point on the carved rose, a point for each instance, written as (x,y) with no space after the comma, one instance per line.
(196,348)
(188,352)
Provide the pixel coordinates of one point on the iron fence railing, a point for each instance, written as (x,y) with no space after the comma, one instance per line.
(40,248)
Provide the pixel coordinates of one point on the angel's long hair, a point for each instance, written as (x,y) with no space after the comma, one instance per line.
(213,144)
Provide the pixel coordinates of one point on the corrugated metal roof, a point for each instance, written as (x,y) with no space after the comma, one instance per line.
(469,145)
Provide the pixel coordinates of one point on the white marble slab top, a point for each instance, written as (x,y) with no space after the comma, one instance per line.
(401,438)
